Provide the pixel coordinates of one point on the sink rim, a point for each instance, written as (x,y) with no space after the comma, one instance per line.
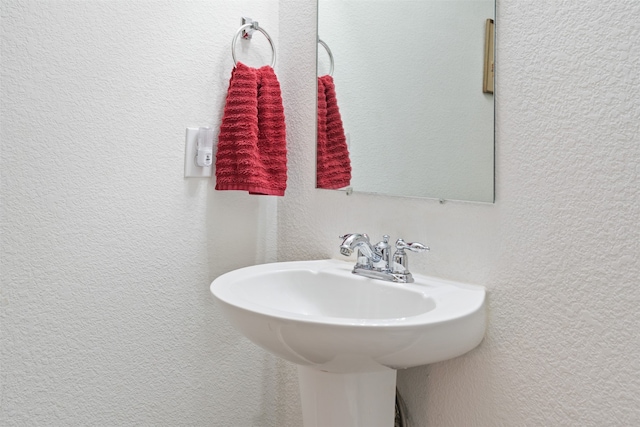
(453,300)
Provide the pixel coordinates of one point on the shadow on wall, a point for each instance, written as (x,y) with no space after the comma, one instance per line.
(241,229)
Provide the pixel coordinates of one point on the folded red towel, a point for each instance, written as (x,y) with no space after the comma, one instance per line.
(252,150)
(333,166)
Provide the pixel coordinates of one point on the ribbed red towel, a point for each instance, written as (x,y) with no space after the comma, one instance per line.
(252,145)
(333,167)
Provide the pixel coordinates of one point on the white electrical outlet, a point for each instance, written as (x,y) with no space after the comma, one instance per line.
(191,168)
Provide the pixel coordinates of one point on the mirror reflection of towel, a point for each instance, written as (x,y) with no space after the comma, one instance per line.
(333,166)
(252,146)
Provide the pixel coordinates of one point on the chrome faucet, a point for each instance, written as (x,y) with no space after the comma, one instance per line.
(374,261)
(362,243)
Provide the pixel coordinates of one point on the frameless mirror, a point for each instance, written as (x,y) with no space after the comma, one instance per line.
(413,84)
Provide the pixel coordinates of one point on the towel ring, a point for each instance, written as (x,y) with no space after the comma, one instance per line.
(324,45)
(254,26)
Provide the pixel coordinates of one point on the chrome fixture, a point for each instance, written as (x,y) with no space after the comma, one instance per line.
(247,29)
(374,261)
(331,60)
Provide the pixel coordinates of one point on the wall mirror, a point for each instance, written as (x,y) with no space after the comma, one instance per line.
(408,77)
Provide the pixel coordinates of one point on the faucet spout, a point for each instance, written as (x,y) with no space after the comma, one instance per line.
(361,242)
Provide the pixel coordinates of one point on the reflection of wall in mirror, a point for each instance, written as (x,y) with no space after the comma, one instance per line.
(409,80)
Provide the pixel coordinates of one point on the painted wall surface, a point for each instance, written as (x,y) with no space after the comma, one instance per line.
(107,252)
(559,252)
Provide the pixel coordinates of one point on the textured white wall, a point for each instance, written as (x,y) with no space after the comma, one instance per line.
(559,251)
(106,260)
(107,252)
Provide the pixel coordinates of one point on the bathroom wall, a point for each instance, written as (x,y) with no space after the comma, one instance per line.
(559,252)
(107,251)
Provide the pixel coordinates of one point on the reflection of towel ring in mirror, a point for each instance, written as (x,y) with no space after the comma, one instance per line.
(324,45)
(254,26)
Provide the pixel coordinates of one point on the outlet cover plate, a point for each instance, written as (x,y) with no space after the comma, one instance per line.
(191,169)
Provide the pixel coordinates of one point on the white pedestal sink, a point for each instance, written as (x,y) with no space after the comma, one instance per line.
(348,333)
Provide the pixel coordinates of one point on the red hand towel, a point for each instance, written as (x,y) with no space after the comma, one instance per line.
(252,151)
(333,166)
(321,137)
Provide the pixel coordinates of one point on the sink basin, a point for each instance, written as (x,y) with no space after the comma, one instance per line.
(318,313)
(349,333)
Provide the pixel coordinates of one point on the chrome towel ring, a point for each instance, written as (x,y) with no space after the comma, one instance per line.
(324,45)
(252,26)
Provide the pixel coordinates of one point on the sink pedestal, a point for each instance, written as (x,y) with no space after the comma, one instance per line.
(365,399)
(322,317)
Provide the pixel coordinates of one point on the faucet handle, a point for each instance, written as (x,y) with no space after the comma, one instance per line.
(401,246)
(345,236)
(400,258)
